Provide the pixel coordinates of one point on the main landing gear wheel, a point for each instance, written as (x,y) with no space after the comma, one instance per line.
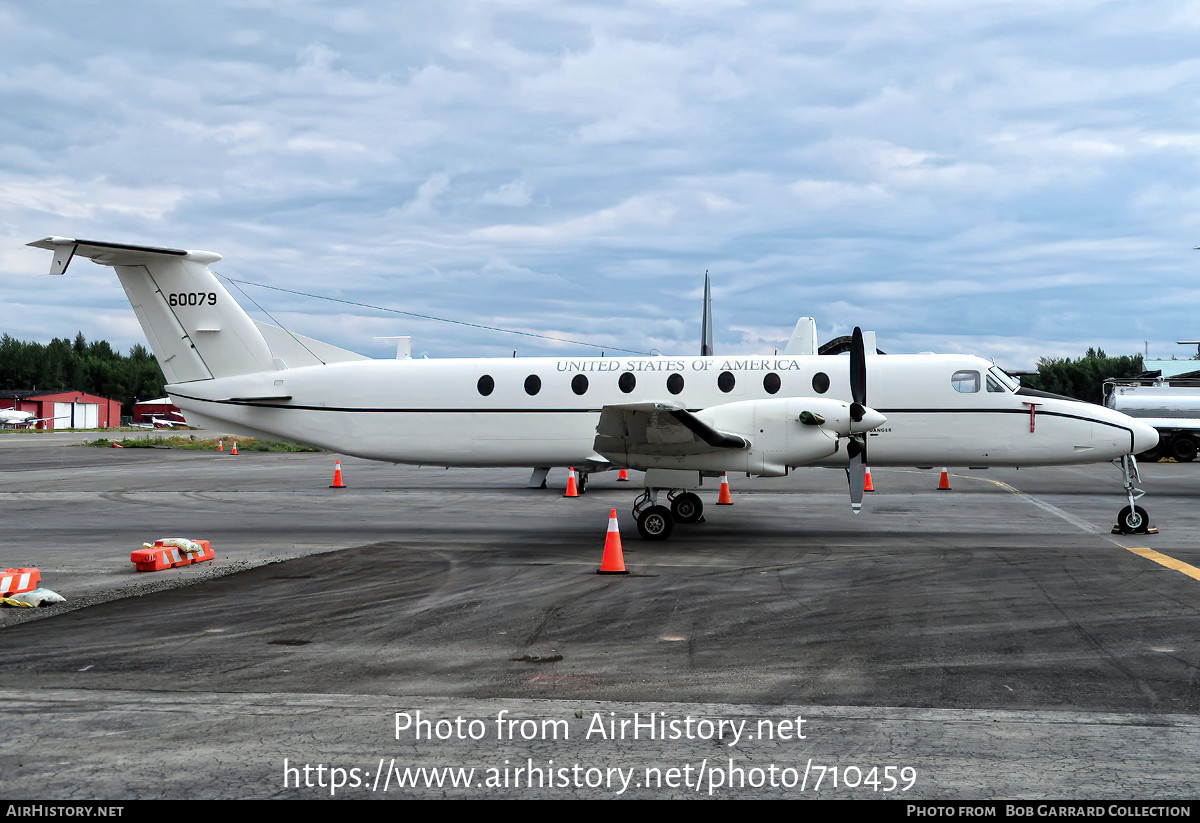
(655,523)
(1183,448)
(581,482)
(1133,520)
(687,508)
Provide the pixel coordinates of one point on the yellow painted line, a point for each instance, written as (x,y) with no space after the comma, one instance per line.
(1141,551)
(1164,560)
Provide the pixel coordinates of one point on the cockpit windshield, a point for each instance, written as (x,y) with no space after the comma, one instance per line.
(998,381)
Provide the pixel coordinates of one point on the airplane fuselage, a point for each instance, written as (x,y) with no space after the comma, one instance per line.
(941,409)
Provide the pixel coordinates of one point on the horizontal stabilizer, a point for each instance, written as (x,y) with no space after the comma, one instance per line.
(112,254)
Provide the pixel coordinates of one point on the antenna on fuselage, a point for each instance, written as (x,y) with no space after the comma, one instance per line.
(706,331)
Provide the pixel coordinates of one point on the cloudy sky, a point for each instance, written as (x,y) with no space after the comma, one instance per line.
(1013,179)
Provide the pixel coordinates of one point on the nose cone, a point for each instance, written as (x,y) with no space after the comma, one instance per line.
(871,420)
(1144,437)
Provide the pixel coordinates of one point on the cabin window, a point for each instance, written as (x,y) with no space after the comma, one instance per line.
(626,382)
(675,383)
(820,382)
(533,384)
(486,385)
(579,383)
(725,381)
(771,383)
(965,381)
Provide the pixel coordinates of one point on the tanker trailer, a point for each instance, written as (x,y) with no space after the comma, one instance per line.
(1170,405)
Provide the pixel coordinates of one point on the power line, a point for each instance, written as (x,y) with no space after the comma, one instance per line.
(430,317)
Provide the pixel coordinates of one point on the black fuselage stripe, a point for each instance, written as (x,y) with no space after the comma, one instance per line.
(376,410)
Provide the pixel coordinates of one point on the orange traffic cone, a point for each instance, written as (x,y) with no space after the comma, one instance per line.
(867,485)
(623,475)
(117,445)
(724,498)
(944,482)
(220,445)
(337,476)
(613,561)
(234,449)
(571,490)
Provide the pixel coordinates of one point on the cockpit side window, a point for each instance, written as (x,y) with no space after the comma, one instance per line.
(965,381)
(993,385)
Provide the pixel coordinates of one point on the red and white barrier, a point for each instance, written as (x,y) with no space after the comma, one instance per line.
(15,581)
(160,556)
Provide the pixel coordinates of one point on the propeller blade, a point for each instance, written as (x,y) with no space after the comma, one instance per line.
(858,368)
(856,444)
(856,448)
(856,476)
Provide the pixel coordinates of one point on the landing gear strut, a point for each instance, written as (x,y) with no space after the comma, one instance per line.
(1133,518)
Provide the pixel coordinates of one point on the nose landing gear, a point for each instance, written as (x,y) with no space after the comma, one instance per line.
(1132,519)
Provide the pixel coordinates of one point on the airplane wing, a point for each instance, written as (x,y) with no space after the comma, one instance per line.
(658,428)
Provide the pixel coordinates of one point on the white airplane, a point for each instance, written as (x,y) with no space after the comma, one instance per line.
(158,422)
(13,418)
(678,419)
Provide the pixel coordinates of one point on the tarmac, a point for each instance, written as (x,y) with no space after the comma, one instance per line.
(994,641)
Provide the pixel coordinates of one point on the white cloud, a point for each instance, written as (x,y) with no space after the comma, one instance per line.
(84,199)
(422,203)
(516,193)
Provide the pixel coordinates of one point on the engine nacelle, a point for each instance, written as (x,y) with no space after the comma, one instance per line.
(777,438)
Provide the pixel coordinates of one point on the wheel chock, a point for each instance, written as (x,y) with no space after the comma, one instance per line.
(15,581)
(1149,530)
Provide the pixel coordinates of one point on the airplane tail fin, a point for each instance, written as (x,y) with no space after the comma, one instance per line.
(194,326)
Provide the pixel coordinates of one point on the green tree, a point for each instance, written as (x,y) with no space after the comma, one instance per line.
(94,368)
(1083,378)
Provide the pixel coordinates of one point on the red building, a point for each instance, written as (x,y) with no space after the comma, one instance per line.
(66,409)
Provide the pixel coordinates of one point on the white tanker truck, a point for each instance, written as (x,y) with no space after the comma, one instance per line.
(1169,404)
